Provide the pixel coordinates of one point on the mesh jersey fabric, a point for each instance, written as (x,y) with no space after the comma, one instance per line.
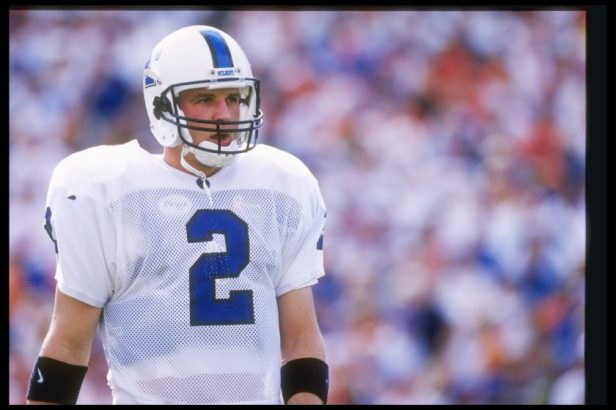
(187,276)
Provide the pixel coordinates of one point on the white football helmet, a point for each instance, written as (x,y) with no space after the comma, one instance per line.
(200,57)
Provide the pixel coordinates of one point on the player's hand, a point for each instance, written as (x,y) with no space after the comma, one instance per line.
(305,398)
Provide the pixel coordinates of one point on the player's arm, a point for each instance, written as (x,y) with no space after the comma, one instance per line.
(304,372)
(65,353)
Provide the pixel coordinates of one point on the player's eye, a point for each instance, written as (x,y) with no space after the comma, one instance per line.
(208,99)
(233,99)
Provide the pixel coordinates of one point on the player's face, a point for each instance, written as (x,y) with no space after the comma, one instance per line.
(221,104)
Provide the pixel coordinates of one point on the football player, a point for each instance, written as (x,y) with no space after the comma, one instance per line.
(195,265)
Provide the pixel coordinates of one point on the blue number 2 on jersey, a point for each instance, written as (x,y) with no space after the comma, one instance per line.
(205,308)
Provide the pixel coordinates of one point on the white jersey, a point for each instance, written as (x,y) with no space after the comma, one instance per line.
(187,276)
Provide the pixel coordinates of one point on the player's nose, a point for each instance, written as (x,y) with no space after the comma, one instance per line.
(221,110)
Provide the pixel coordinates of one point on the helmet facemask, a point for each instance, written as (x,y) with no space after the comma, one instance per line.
(243,132)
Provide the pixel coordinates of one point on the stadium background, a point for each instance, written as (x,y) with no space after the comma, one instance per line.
(450,149)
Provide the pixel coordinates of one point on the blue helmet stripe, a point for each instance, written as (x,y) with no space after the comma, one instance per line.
(221,55)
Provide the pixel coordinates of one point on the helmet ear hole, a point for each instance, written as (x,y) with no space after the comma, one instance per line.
(161,104)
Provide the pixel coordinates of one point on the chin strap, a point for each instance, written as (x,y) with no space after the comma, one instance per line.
(205,184)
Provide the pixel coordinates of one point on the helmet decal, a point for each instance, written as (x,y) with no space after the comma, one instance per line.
(221,55)
(148,81)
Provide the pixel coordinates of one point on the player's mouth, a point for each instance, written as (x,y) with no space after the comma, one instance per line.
(225,139)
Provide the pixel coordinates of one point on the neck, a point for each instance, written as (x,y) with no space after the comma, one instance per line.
(172,156)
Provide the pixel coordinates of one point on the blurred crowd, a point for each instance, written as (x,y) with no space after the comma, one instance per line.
(450,150)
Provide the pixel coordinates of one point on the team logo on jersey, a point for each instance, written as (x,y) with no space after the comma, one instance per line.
(174,205)
(239,204)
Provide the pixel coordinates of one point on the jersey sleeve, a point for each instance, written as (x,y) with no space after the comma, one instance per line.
(302,263)
(81,226)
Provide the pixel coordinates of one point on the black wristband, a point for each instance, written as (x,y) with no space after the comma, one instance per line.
(54,381)
(307,374)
